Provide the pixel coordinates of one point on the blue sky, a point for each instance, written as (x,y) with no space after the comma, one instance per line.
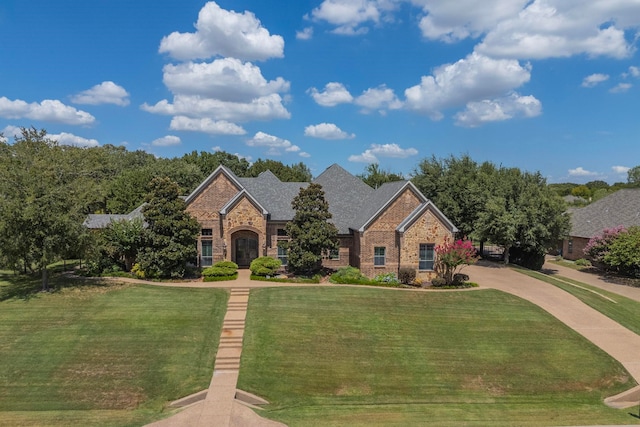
(544,85)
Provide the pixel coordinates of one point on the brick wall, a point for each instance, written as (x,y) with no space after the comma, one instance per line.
(573,248)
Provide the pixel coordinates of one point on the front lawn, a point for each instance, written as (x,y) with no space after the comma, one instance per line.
(378,357)
(99,354)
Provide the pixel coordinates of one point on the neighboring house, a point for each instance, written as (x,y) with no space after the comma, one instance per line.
(379,230)
(619,208)
(96,221)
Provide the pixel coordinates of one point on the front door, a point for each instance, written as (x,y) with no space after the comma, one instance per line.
(246,251)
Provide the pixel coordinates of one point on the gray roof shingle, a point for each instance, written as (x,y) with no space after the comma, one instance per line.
(619,208)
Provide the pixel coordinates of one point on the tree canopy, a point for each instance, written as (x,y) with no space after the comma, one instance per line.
(374,177)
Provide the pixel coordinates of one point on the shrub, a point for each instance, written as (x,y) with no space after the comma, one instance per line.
(406,275)
(221,269)
(220,278)
(623,254)
(527,257)
(265,266)
(583,262)
(438,281)
(137,271)
(347,275)
(598,246)
(459,278)
(389,278)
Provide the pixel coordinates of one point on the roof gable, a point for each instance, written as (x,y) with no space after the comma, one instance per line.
(219,170)
(384,197)
(237,198)
(419,211)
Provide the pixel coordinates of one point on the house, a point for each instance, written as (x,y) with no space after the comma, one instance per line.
(619,208)
(380,230)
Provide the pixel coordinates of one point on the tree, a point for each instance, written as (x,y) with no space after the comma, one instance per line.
(171,234)
(633,175)
(208,162)
(123,240)
(310,232)
(623,254)
(374,177)
(452,256)
(40,218)
(581,191)
(298,172)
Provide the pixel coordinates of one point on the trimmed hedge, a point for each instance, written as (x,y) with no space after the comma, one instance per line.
(221,269)
(219,278)
(265,266)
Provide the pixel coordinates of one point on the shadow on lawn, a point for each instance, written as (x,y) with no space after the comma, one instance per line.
(26,286)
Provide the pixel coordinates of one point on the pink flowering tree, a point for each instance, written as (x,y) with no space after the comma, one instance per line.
(598,246)
(453,256)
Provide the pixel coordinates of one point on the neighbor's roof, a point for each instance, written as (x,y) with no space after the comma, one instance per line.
(95,221)
(619,208)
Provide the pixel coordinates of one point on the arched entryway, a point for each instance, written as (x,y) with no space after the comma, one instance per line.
(244,247)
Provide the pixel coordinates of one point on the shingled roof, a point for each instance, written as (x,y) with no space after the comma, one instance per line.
(619,208)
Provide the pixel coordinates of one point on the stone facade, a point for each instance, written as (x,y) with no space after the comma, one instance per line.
(427,229)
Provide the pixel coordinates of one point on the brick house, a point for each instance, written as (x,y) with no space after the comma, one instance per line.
(379,230)
(619,208)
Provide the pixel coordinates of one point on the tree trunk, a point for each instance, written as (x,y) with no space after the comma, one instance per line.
(45,279)
(481,247)
(505,254)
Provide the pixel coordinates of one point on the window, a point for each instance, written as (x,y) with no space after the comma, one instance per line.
(333,254)
(206,258)
(281,232)
(570,246)
(379,255)
(282,255)
(426,256)
(207,232)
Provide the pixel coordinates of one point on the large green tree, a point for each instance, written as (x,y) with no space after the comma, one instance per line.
(40,217)
(633,176)
(310,232)
(374,177)
(208,162)
(298,172)
(171,234)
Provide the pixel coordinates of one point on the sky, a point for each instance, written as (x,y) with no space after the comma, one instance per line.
(544,85)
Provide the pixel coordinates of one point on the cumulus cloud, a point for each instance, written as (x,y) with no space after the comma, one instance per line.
(11,131)
(380,98)
(348,15)
(594,79)
(274,145)
(105,93)
(560,28)
(622,170)
(620,88)
(327,131)
(226,79)
(474,78)
(508,107)
(452,21)
(49,110)
(206,125)
(264,108)
(372,154)
(334,93)
(166,141)
(580,171)
(305,33)
(65,138)
(634,71)
(221,32)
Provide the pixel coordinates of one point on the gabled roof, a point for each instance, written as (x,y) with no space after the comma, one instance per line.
(235,199)
(619,208)
(96,221)
(204,184)
(384,197)
(417,213)
(273,194)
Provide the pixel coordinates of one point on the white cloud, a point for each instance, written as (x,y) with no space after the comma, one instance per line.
(348,15)
(622,170)
(508,107)
(327,131)
(304,154)
(620,88)
(305,34)
(105,93)
(274,144)
(634,71)
(263,108)
(561,28)
(166,141)
(206,125)
(226,79)
(594,79)
(221,32)
(376,151)
(49,110)
(11,131)
(334,93)
(452,21)
(474,78)
(580,171)
(65,138)
(380,98)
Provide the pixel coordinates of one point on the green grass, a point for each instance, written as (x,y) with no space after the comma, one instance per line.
(376,357)
(623,310)
(97,354)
